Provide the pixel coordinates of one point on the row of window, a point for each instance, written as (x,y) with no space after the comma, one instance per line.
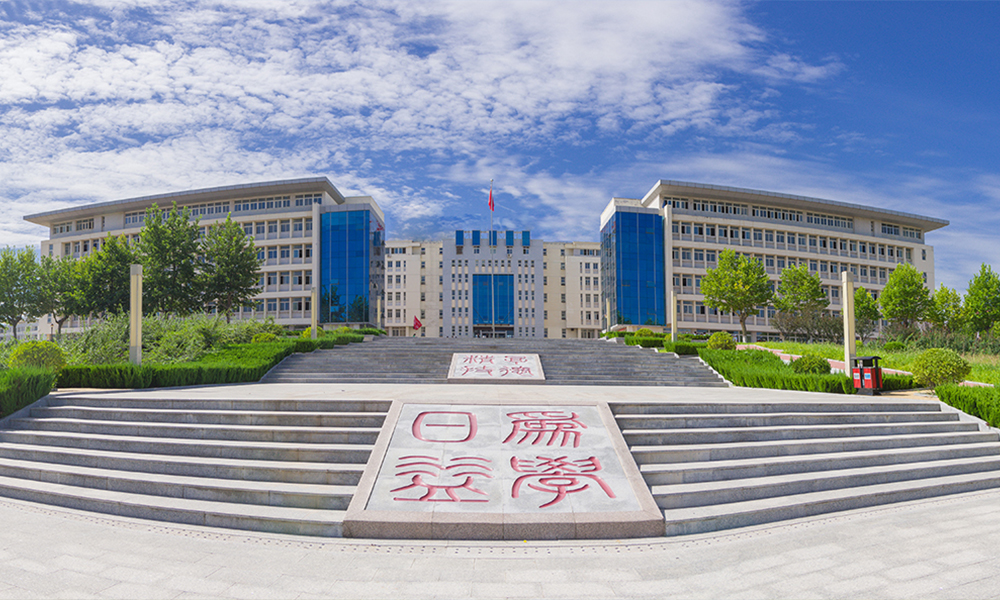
(724,208)
(285,278)
(68,226)
(283,227)
(299,251)
(767,236)
(277,202)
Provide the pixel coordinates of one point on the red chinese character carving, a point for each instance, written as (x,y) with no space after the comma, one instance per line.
(557,476)
(514,360)
(516,371)
(539,424)
(427,419)
(478,359)
(419,466)
(466,370)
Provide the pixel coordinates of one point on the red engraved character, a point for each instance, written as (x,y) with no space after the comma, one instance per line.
(557,476)
(478,359)
(467,370)
(440,483)
(434,426)
(516,371)
(538,426)
(515,360)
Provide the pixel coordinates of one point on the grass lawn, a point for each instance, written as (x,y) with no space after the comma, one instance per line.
(985,367)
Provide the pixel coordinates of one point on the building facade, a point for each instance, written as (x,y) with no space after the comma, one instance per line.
(523,288)
(665,242)
(305,231)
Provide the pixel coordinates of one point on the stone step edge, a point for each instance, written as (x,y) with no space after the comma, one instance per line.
(205,426)
(209,412)
(942,416)
(667,431)
(638,451)
(182,481)
(765,461)
(254,517)
(708,487)
(701,519)
(188,441)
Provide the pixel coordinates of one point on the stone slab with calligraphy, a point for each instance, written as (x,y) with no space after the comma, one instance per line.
(495,368)
(499,471)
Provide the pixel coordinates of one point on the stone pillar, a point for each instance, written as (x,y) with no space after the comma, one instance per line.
(847,304)
(314,313)
(607,304)
(673,314)
(135,315)
(378,313)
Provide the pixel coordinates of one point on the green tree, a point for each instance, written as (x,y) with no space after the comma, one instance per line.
(738,285)
(866,314)
(229,274)
(800,303)
(946,309)
(169,252)
(63,289)
(20,287)
(105,278)
(905,300)
(982,299)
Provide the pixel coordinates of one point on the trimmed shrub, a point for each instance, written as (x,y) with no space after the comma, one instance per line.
(371,331)
(105,376)
(682,348)
(811,363)
(644,332)
(939,366)
(894,346)
(307,333)
(20,387)
(720,340)
(340,339)
(897,382)
(982,402)
(263,337)
(39,354)
(645,342)
(761,369)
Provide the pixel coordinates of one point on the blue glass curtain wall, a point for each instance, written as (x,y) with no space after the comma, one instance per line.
(634,254)
(503,304)
(350,277)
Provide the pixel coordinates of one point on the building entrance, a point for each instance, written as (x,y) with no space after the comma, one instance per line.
(487,332)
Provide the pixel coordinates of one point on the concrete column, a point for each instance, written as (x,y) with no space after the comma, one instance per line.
(378,313)
(317,248)
(135,315)
(668,264)
(314,313)
(847,304)
(673,315)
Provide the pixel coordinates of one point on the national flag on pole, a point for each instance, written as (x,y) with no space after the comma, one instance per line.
(416,322)
(491,195)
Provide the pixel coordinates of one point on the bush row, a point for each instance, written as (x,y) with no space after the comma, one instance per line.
(21,387)
(982,402)
(760,369)
(235,363)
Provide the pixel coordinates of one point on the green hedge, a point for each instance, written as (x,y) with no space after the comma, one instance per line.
(236,363)
(20,387)
(982,402)
(682,348)
(645,342)
(760,369)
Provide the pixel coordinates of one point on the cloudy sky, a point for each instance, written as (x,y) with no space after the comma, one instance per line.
(563,104)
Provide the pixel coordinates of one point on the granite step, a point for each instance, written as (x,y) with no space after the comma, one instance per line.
(213,417)
(648,422)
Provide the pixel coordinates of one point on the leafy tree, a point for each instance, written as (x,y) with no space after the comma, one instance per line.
(800,303)
(866,314)
(982,299)
(946,309)
(229,273)
(63,286)
(738,285)
(169,252)
(20,287)
(905,300)
(105,278)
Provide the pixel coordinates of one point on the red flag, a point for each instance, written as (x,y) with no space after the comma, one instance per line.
(491,195)
(416,322)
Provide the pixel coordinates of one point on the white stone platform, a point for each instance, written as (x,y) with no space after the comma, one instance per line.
(495,368)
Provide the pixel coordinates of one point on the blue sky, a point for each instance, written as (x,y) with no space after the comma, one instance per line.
(563,104)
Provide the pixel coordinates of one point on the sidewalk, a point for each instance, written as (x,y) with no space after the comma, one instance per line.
(941,548)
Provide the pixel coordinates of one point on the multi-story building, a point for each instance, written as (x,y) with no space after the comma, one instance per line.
(666,241)
(524,288)
(305,231)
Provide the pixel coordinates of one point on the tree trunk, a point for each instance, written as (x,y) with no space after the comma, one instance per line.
(743,326)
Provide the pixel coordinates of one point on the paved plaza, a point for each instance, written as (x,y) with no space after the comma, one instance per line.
(941,548)
(944,547)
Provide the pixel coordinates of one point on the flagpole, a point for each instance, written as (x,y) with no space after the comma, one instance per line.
(493,310)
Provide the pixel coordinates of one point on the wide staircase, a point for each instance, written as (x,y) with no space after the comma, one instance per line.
(285,466)
(426,360)
(715,466)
